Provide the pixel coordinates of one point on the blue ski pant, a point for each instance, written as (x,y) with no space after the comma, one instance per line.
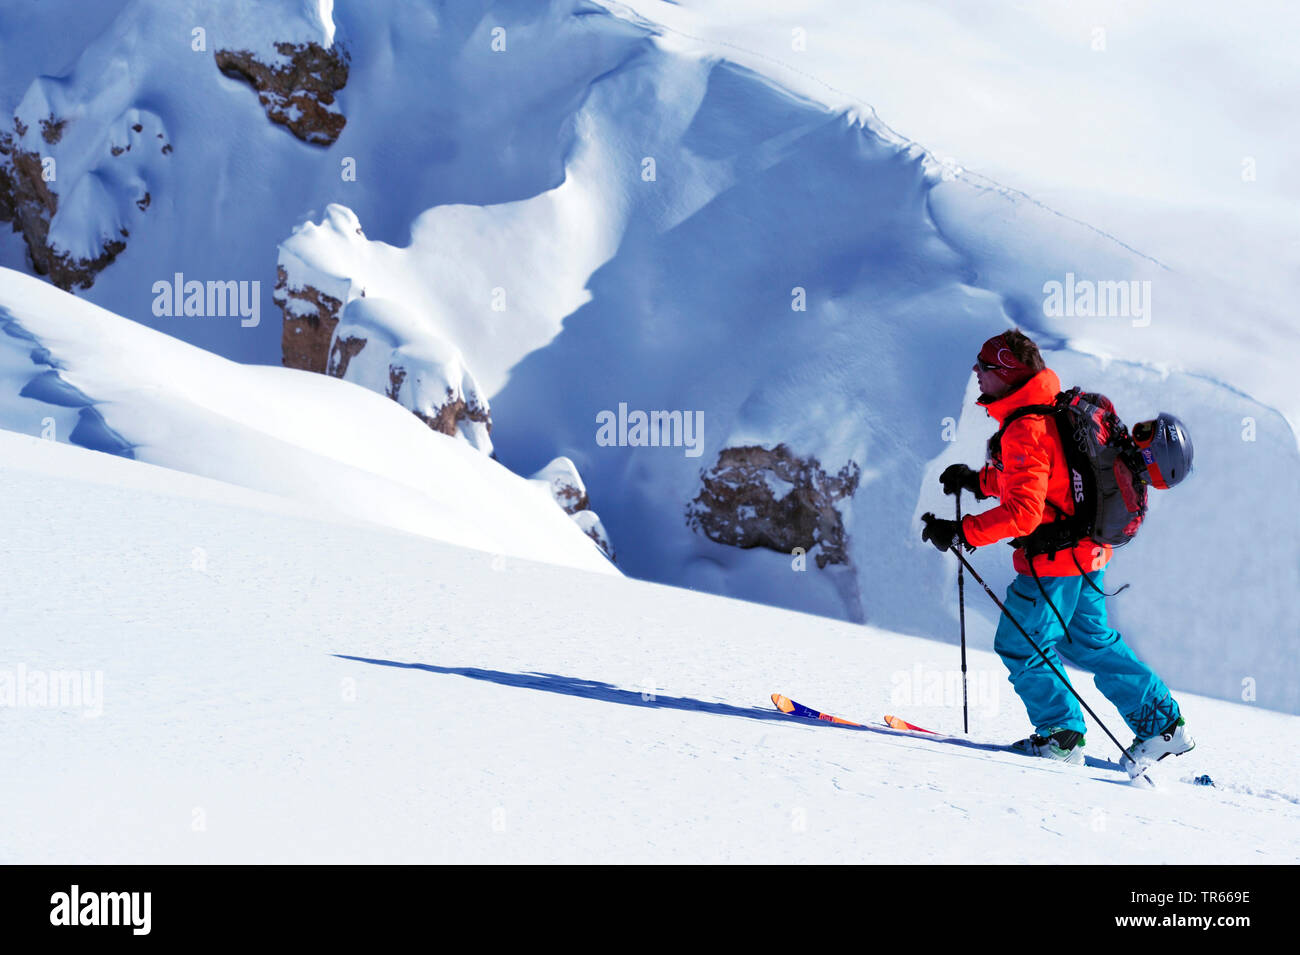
(1139,695)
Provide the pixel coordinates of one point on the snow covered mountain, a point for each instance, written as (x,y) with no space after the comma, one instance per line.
(675,245)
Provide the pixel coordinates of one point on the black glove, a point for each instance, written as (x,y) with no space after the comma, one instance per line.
(943,534)
(958,477)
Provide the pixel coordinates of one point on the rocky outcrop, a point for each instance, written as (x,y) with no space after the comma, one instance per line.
(331,326)
(593,528)
(324,335)
(565,484)
(28,202)
(760,497)
(299,93)
(341,355)
(310,317)
(452,417)
(566,487)
(30,166)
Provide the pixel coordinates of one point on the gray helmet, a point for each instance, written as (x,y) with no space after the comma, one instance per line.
(1166,449)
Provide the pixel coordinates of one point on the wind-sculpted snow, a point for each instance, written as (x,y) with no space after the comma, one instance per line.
(88,152)
(52,405)
(69,371)
(438,112)
(777,342)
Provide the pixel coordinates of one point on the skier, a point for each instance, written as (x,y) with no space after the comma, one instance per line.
(1027,472)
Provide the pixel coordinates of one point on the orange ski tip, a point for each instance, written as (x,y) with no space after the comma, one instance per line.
(900,724)
(782,703)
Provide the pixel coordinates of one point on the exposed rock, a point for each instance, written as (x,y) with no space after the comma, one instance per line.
(332,326)
(566,487)
(344,350)
(572,499)
(593,528)
(395,378)
(30,204)
(310,317)
(298,95)
(52,129)
(759,497)
(448,418)
(27,202)
(565,484)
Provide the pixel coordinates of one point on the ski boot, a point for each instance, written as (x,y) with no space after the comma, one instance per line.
(1144,753)
(1063,745)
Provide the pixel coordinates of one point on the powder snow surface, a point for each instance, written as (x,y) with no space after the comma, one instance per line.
(314,691)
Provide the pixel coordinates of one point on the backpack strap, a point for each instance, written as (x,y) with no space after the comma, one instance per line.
(1065,531)
(995,442)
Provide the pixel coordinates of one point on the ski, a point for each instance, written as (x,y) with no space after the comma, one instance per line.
(790,708)
(895,725)
(893,722)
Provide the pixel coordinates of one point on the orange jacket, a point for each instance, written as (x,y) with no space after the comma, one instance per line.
(1031,473)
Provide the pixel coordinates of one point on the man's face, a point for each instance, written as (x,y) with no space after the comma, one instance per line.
(990,384)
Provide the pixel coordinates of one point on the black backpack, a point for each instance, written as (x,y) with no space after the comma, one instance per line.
(1110,494)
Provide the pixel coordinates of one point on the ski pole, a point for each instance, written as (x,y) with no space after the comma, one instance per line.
(1061,676)
(961,613)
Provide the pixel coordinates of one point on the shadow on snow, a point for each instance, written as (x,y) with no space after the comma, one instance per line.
(596,690)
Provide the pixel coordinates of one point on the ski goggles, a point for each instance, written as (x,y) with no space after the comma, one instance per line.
(1144,435)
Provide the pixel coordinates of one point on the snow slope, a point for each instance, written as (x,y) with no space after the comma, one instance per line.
(71,371)
(315,691)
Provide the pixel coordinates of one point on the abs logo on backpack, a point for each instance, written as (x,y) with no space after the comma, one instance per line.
(1078,486)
